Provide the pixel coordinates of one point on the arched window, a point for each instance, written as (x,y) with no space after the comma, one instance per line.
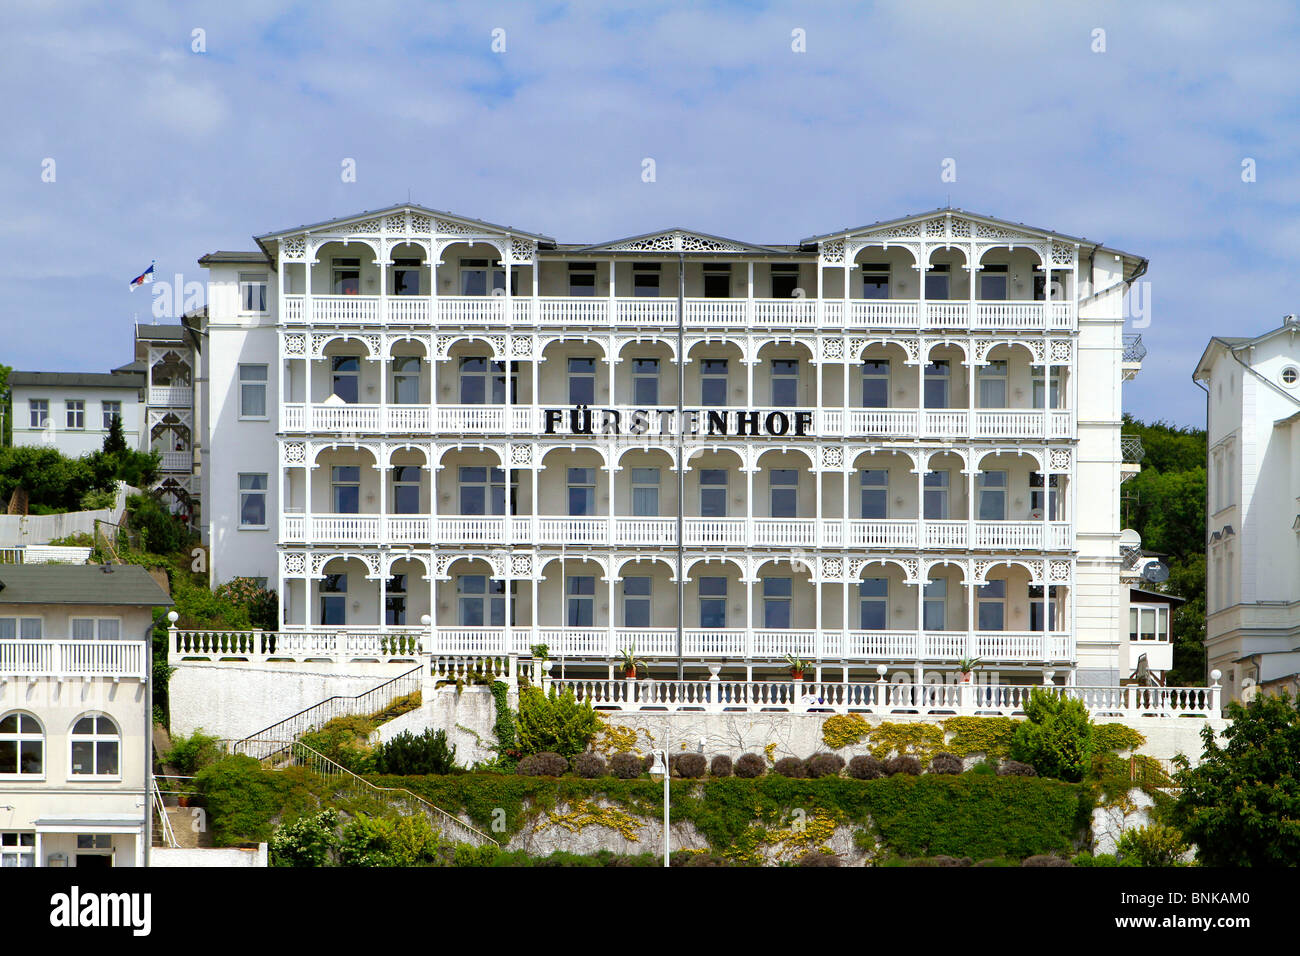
(22,746)
(96,747)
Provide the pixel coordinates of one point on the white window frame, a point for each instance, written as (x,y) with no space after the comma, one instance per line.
(38,412)
(75,413)
(111,409)
(252,383)
(247,281)
(95,739)
(97,628)
(20,625)
(647,599)
(264,491)
(995,373)
(18,846)
(19,737)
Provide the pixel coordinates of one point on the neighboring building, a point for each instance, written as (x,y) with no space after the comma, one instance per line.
(75,713)
(1253,549)
(168,355)
(72,411)
(889,459)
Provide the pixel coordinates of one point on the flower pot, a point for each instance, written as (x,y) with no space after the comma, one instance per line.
(629,673)
(183,800)
(965,677)
(796,675)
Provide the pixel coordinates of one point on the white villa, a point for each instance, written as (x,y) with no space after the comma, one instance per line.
(1252,388)
(887,448)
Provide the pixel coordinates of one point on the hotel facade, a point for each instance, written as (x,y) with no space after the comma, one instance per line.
(893,445)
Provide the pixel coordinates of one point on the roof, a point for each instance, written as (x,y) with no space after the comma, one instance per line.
(1156,596)
(681,239)
(132,380)
(168,333)
(220,255)
(137,366)
(1234,342)
(127,584)
(414,207)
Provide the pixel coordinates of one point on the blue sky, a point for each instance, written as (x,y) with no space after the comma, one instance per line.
(162,153)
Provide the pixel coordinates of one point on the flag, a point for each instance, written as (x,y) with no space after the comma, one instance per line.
(143,277)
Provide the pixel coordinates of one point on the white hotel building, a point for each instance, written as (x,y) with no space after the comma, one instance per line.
(897,444)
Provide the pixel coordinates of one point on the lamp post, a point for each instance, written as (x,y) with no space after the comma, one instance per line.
(660,768)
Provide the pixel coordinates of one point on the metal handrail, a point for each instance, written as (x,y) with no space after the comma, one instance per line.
(168,834)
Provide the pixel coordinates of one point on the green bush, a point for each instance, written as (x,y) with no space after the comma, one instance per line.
(346,741)
(556,723)
(261,604)
(310,841)
(1056,739)
(1154,845)
(191,754)
(161,531)
(407,754)
(242,799)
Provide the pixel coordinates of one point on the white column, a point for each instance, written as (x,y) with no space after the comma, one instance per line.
(613,297)
(611,643)
(970,592)
(749,305)
(749,502)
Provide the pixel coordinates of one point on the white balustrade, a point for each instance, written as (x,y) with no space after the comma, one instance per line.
(73,658)
(715,532)
(944,534)
(882,314)
(715,312)
(344,309)
(407,418)
(801,313)
(172,396)
(646,311)
(408,310)
(177,461)
(882,533)
(471,309)
(1009,315)
(785,532)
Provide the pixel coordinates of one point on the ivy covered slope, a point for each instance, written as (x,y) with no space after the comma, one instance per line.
(1165,504)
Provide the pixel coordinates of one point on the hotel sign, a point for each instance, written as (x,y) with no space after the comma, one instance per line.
(723,422)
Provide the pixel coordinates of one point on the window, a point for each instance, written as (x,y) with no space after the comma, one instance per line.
(334,599)
(395,600)
(112,410)
(936,282)
(252,292)
(38,410)
(582,601)
(783,486)
(993,283)
(636,602)
(993,385)
(1290,375)
(22,746)
(645,279)
(17,849)
(406,380)
(785,279)
(1148,623)
(481,380)
(94,841)
(645,492)
(873,594)
(875,280)
(936,495)
(713,602)
(252,391)
(785,383)
(1036,497)
(406,490)
(582,381)
(1036,608)
(991,609)
(777,597)
(935,606)
(482,490)
(582,491)
(582,278)
(346,371)
(474,277)
(1060,283)
(875,493)
(713,383)
(96,628)
(875,383)
(713,493)
(938,379)
(406,277)
(252,501)
(645,381)
(717,280)
(345,486)
(96,747)
(1041,391)
(991,487)
(482,601)
(27,628)
(347,276)
(76,411)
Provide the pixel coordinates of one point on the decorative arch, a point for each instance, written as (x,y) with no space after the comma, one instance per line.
(696,560)
(622,562)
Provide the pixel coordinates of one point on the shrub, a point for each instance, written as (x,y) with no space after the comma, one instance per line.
(825,765)
(261,605)
(818,858)
(589,765)
(750,766)
(626,766)
(791,767)
(866,767)
(1154,845)
(1014,768)
(544,764)
(945,763)
(162,532)
(555,724)
(191,754)
(346,741)
(720,766)
(407,754)
(1056,738)
(1046,859)
(985,767)
(903,763)
(691,766)
(305,842)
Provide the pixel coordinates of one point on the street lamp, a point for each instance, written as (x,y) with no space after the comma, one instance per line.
(658,768)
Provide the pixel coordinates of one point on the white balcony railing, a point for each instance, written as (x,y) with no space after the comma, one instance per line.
(177,461)
(171,396)
(119,660)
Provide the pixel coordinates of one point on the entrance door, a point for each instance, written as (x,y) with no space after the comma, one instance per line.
(95,861)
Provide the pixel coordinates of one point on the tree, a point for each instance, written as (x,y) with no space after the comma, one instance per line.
(1056,739)
(6,408)
(555,724)
(115,440)
(1241,805)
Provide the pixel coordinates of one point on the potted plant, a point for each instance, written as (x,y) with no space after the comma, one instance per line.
(627,660)
(797,666)
(966,665)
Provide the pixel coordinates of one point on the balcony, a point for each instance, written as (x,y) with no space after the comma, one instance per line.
(62,659)
(171,396)
(806,313)
(177,461)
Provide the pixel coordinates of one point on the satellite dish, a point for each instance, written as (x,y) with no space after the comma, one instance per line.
(1155,572)
(1128,538)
